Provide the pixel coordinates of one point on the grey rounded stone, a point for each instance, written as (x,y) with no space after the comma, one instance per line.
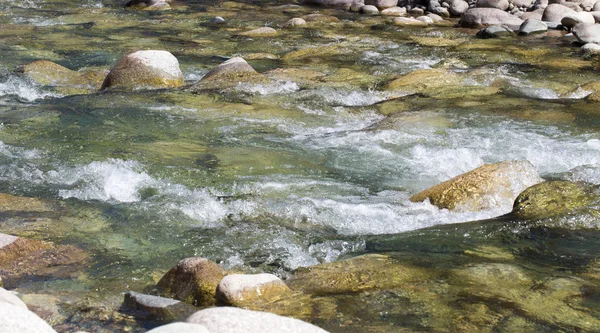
(536,15)
(382,4)
(369,10)
(555,13)
(596,16)
(498,4)
(591,49)
(394,11)
(488,16)
(217,20)
(572,19)
(441,11)
(532,26)
(458,7)
(295,22)
(435,17)
(19,320)
(596,6)
(425,19)
(587,33)
(495,31)
(234,320)
(417,11)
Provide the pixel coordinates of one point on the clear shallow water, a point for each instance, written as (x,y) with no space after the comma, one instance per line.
(270,177)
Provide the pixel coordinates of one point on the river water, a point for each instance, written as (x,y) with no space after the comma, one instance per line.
(286,175)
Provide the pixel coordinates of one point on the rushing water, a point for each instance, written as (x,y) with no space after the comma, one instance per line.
(279,176)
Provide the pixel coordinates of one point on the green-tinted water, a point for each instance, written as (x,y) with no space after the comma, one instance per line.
(311,168)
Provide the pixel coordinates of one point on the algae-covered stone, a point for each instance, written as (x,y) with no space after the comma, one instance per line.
(238,289)
(314,52)
(152,69)
(193,280)
(424,80)
(260,32)
(489,186)
(552,198)
(234,320)
(65,80)
(229,74)
(367,272)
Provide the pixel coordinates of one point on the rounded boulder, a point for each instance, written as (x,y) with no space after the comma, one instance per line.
(476,17)
(236,289)
(151,69)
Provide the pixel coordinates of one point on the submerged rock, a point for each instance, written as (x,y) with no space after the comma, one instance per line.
(234,320)
(229,74)
(237,289)
(260,32)
(64,80)
(489,186)
(17,319)
(151,69)
(552,198)
(193,280)
(458,7)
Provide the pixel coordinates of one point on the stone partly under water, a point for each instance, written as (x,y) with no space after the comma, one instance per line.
(295,154)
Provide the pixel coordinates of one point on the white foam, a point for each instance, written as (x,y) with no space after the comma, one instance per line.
(23,89)
(277,87)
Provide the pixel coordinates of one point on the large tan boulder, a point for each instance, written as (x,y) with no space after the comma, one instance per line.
(476,17)
(193,280)
(239,289)
(151,69)
(489,186)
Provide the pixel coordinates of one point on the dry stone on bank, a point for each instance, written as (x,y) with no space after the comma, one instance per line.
(408,21)
(180,328)
(235,320)
(295,22)
(498,4)
(476,17)
(260,32)
(20,320)
(532,26)
(151,69)
(573,19)
(489,186)
(458,7)
(555,12)
(587,33)
(382,4)
(394,11)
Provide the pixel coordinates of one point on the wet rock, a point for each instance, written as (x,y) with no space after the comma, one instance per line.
(408,21)
(295,22)
(571,20)
(46,306)
(382,4)
(498,4)
(425,19)
(65,81)
(17,319)
(180,328)
(10,298)
(435,17)
(489,186)
(233,320)
(151,69)
(458,7)
(495,31)
(23,258)
(218,20)
(394,11)
(532,26)
(314,52)
(193,280)
(424,80)
(369,10)
(590,49)
(229,74)
(355,275)
(552,198)
(316,17)
(555,13)
(238,289)
(260,32)
(329,3)
(157,308)
(587,33)
(475,17)
(147,4)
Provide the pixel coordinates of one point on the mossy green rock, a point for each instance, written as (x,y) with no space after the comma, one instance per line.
(552,198)
(151,69)
(193,280)
(229,74)
(64,80)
